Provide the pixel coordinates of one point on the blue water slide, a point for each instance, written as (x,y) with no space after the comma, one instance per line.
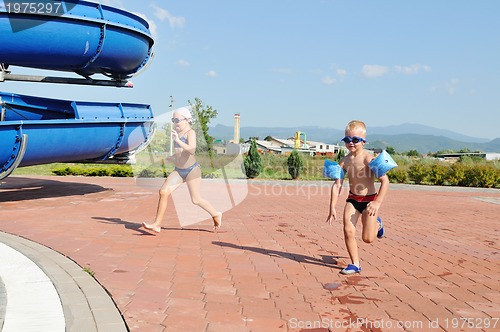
(75,36)
(35,130)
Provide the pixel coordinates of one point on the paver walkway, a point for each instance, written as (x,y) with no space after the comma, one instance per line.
(274,264)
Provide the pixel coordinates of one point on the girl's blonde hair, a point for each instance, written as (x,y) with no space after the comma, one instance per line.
(356,124)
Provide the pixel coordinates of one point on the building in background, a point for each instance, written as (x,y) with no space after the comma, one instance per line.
(275,145)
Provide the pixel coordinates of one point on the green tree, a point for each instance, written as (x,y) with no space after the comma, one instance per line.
(202,116)
(161,140)
(295,164)
(252,162)
(413,153)
(339,155)
(390,150)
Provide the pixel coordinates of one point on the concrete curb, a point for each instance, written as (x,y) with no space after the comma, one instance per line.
(86,305)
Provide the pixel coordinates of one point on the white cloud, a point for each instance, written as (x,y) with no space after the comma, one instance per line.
(211,73)
(328,80)
(374,71)
(163,14)
(153,28)
(412,69)
(452,85)
(183,63)
(284,71)
(449,87)
(341,72)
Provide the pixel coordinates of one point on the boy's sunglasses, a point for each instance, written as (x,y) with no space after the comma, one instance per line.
(177,120)
(354,139)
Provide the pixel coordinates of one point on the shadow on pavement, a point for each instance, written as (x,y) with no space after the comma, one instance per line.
(23,189)
(329,261)
(127,224)
(138,227)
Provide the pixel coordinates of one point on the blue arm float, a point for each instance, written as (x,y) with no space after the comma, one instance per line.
(382,164)
(332,170)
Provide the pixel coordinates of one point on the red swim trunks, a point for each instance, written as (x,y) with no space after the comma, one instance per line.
(360,202)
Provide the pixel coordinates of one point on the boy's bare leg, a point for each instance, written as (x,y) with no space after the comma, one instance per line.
(351,216)
(370,227)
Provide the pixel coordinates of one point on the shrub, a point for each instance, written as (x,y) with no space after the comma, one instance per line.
(62,171)
(438,174)
(100,170)
(295,164)
(483,176)
(457,174)
(418,172)
(252,163)
(70,170)
(398,175)
(96,171)
(121,171)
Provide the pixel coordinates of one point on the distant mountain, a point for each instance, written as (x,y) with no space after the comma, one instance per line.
(429,143)
(402,138)
(415,128)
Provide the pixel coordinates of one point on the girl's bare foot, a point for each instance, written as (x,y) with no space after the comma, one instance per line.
(151,227)
(217,221)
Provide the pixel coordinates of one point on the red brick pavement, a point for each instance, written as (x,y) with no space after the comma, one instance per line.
(274,264)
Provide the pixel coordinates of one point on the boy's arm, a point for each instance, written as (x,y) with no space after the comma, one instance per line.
(374,206)
(335,193)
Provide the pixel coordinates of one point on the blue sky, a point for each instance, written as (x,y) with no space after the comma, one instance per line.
(317,62)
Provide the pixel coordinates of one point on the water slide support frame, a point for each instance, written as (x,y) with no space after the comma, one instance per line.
(7,76)
(18,151)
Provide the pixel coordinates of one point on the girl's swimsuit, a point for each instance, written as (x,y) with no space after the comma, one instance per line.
(184,172)
(360,202)
(183,139)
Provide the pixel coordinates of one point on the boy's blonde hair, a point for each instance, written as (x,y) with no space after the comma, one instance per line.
(356,124)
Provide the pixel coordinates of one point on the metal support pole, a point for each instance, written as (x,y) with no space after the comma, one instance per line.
(64,80)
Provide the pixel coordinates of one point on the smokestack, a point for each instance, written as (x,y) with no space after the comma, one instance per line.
(236,128)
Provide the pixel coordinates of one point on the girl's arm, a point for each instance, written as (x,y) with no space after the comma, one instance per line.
(190,146)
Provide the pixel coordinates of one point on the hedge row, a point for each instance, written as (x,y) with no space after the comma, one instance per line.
(116,171)
(482,175)
(458,174)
